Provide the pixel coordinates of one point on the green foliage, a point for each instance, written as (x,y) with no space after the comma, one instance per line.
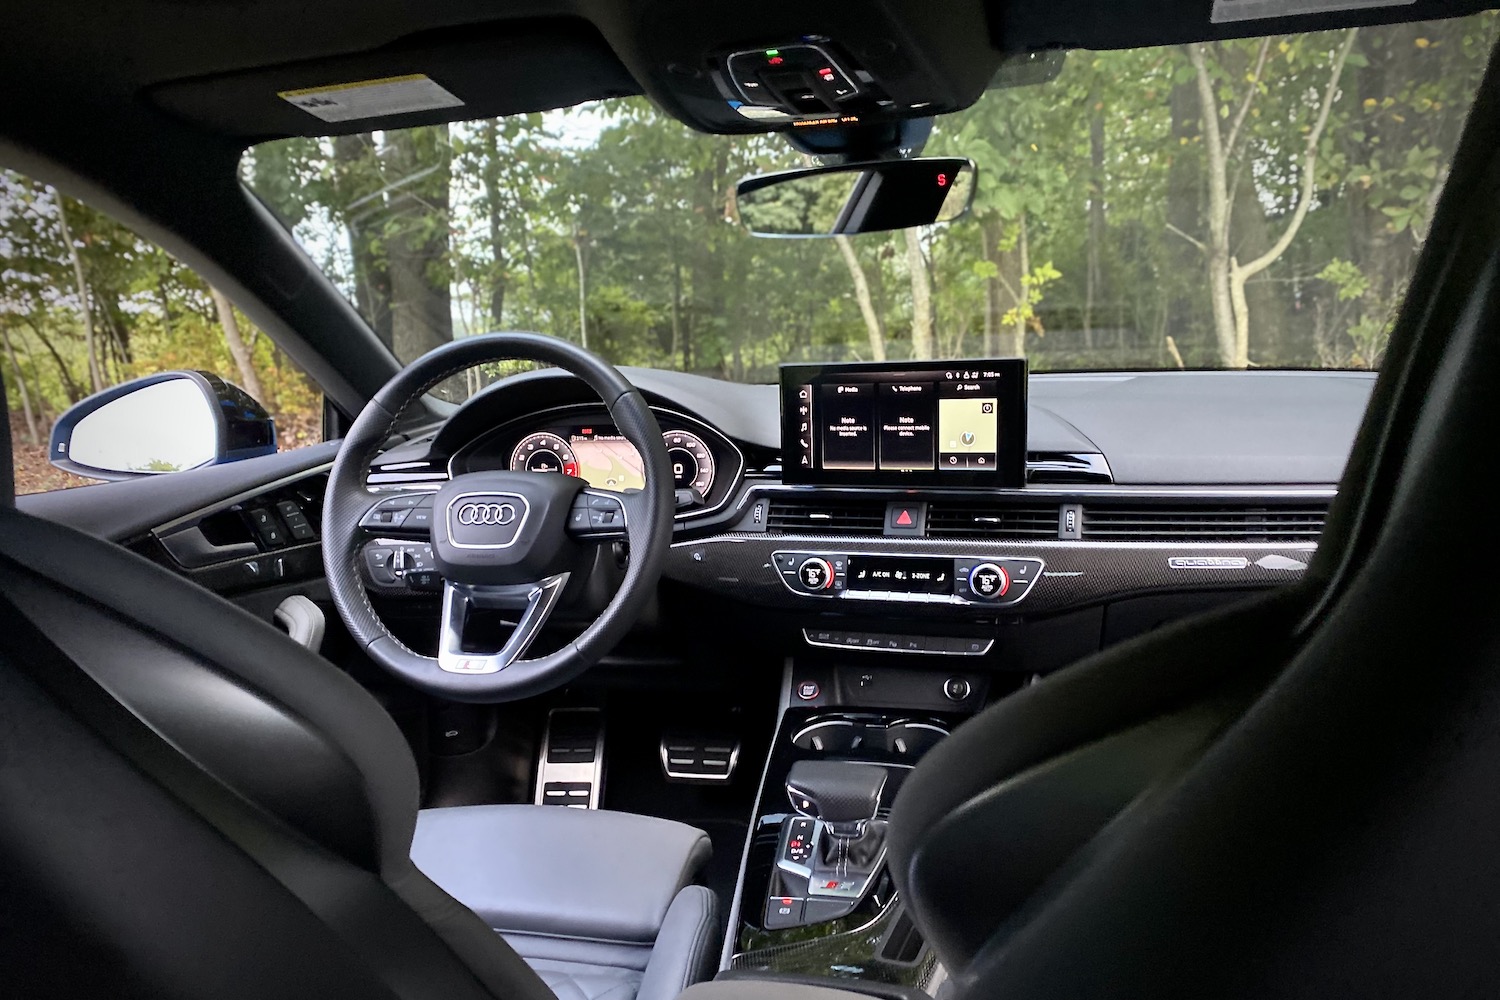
(612,223)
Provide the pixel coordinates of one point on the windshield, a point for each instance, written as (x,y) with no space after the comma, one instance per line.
(1251,203)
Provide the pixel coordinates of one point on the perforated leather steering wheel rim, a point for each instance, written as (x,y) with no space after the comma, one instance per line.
(348,498)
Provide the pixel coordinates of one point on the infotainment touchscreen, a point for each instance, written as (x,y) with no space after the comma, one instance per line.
(915,423)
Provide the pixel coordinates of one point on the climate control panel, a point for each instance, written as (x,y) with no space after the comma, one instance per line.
(985,581)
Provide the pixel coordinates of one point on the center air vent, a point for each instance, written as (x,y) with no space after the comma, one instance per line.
(987,519)
(1217,523)
(827,517)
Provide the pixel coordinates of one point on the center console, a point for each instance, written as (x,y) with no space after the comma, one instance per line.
(816,901)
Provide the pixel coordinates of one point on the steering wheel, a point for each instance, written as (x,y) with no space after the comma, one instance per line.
(501,540)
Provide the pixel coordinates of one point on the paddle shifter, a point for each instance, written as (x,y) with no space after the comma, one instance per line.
(832,850)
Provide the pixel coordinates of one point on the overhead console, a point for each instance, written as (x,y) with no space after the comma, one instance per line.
(808,65)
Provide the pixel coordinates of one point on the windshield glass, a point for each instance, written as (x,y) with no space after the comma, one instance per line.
(1251,203)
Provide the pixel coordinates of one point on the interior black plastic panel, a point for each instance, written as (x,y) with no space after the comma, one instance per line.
(127,510)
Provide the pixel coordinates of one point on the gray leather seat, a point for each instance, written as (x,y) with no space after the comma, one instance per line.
(193,805)
(600,904)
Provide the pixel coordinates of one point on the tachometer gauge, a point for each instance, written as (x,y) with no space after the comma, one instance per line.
(543,452)
(692,462)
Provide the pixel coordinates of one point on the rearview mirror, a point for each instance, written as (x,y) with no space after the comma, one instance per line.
(856,198)
(161,423)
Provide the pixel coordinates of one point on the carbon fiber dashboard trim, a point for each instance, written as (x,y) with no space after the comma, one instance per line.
(1077,573)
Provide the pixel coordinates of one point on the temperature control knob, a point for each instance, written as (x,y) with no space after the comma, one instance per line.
(815,573)
(988,581)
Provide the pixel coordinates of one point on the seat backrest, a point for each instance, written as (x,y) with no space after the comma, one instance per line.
(1302,797)
(191,804)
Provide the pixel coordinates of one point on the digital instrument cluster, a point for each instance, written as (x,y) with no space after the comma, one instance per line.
(596,452)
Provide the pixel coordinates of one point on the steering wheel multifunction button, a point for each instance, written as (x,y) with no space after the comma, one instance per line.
(815,573)
(597,514)
(398,512)
(989,581)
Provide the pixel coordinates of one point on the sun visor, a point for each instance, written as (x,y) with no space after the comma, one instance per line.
(479,72)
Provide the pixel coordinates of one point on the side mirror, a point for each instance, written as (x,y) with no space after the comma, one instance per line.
(856,198)
(161,423)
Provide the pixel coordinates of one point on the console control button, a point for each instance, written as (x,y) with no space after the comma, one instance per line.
(989,581)
(808,690)
(815,573)
(782,912)
(956,689)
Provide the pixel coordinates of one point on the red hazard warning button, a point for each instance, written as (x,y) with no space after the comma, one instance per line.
(909,519)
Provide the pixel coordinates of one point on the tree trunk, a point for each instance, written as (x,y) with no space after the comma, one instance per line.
(1240,273)
(921,297)
(96,379)
(1216,250)
(417,245)
(249,380)
(579,239)
(1226,275)
(372,278)
(676,310)
(1093,276)
(10,352)
(990,235)
(70,385)
(1018,331)
(489,131)
(874,326)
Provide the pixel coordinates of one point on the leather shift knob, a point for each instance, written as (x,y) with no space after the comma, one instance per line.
(842,794)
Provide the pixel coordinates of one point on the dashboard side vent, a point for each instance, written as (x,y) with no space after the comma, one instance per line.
(827,517)
(1217,523)
(987,519)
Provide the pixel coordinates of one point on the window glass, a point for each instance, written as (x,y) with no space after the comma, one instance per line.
(86,304)
(1258,202)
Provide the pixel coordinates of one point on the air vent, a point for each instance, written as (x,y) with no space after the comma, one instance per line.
(987,519)
(827,517)
(1217,523)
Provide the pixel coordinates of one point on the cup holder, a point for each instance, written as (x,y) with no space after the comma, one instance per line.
(904,738)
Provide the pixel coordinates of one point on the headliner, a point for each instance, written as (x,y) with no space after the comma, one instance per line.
(214,62)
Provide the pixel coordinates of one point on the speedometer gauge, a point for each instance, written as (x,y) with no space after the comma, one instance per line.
(543,452)
(692,462)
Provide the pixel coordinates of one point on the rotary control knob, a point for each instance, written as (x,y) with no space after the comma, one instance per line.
(989,581)
(815,573)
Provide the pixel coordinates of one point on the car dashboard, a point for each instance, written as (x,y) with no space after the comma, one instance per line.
(1147,496)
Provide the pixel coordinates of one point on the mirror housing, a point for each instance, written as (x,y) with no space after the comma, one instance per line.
(161,423)
(855,198)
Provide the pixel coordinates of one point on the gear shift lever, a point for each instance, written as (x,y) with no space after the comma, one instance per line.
(844,795)
(832,852)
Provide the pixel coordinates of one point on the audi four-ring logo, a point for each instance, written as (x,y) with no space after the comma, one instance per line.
(486,513)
